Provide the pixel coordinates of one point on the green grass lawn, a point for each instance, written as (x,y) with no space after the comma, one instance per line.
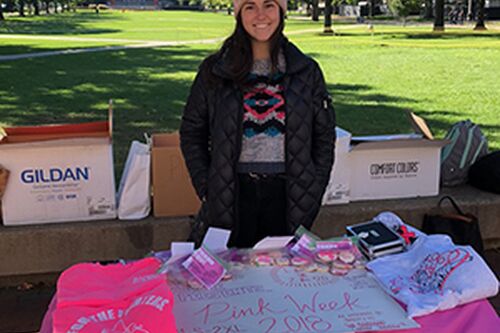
(139,25)
(132,25)
(374,76)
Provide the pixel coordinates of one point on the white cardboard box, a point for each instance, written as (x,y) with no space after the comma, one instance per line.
(58,180)
(337,190)
(394,167)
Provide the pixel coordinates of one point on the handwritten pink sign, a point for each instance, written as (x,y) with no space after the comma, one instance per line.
(286,300)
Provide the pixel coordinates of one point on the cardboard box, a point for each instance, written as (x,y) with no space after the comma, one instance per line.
(396,166)
(99,129)
(59,173)
(337,190)
(173,194)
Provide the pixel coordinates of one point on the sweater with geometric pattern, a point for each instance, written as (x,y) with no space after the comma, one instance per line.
(263,141)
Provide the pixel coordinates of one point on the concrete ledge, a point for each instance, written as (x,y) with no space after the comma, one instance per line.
(486,206)
(52,248)
(48,249)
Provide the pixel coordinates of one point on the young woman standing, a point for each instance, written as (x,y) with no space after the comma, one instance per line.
(258,131)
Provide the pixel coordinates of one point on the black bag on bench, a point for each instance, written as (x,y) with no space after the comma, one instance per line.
(463,228)
(485,173)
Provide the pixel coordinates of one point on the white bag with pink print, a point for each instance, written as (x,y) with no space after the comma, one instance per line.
(435,275)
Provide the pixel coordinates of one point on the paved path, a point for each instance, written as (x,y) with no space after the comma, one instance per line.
(129,44)
(74,39)
(136,45)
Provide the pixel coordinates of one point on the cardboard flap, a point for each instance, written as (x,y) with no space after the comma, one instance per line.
(390,137)
(21,134)
(419,125)
(166,140)
(56,143)
(53,132)
(173,193)
(394,144)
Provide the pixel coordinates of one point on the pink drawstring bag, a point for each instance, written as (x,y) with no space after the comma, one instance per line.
(117,298)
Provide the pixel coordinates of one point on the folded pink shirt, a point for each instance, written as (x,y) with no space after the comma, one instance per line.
(92,298)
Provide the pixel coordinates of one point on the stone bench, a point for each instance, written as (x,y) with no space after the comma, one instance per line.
(42,250)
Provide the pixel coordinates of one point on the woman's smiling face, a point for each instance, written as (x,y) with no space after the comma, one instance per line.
(260,19)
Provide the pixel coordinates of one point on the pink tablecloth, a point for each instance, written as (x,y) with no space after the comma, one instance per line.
(476,317)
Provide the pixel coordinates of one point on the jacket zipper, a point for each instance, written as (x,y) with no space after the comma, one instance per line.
(286,81)
(240,127)
(239,140)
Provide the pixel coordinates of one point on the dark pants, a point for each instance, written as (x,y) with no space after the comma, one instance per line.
(262,209)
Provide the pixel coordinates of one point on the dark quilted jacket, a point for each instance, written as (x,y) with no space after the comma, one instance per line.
(211,134)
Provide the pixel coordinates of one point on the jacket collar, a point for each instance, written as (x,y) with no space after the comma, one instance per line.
(294,58)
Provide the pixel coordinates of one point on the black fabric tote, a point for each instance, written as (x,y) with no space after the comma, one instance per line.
(485,173)
(463,228)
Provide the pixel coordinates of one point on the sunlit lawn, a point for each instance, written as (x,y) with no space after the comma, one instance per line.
(373,75)
(132,25)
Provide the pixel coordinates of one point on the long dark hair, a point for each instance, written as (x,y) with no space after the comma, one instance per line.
(237,51)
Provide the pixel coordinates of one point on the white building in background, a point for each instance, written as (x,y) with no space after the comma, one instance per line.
(492,3)
(135,4)
(492,9)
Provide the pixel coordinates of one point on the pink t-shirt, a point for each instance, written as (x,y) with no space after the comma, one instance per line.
(92,298)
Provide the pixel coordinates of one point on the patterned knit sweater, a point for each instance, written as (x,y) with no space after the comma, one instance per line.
(263,141)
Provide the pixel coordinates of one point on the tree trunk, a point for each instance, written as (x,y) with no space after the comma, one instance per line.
(36,5)
(47,7)
(1,12)
(315,11)
(21,8)
(439,16)
(428,9)
(480,16)
(469,10)
(328,17)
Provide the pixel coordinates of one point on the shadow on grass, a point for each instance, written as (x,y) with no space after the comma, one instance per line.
(492,133)
(452,35)
(440,128)
(61,24)
(364,113)
(149,87)
(308,23)
(7,50)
